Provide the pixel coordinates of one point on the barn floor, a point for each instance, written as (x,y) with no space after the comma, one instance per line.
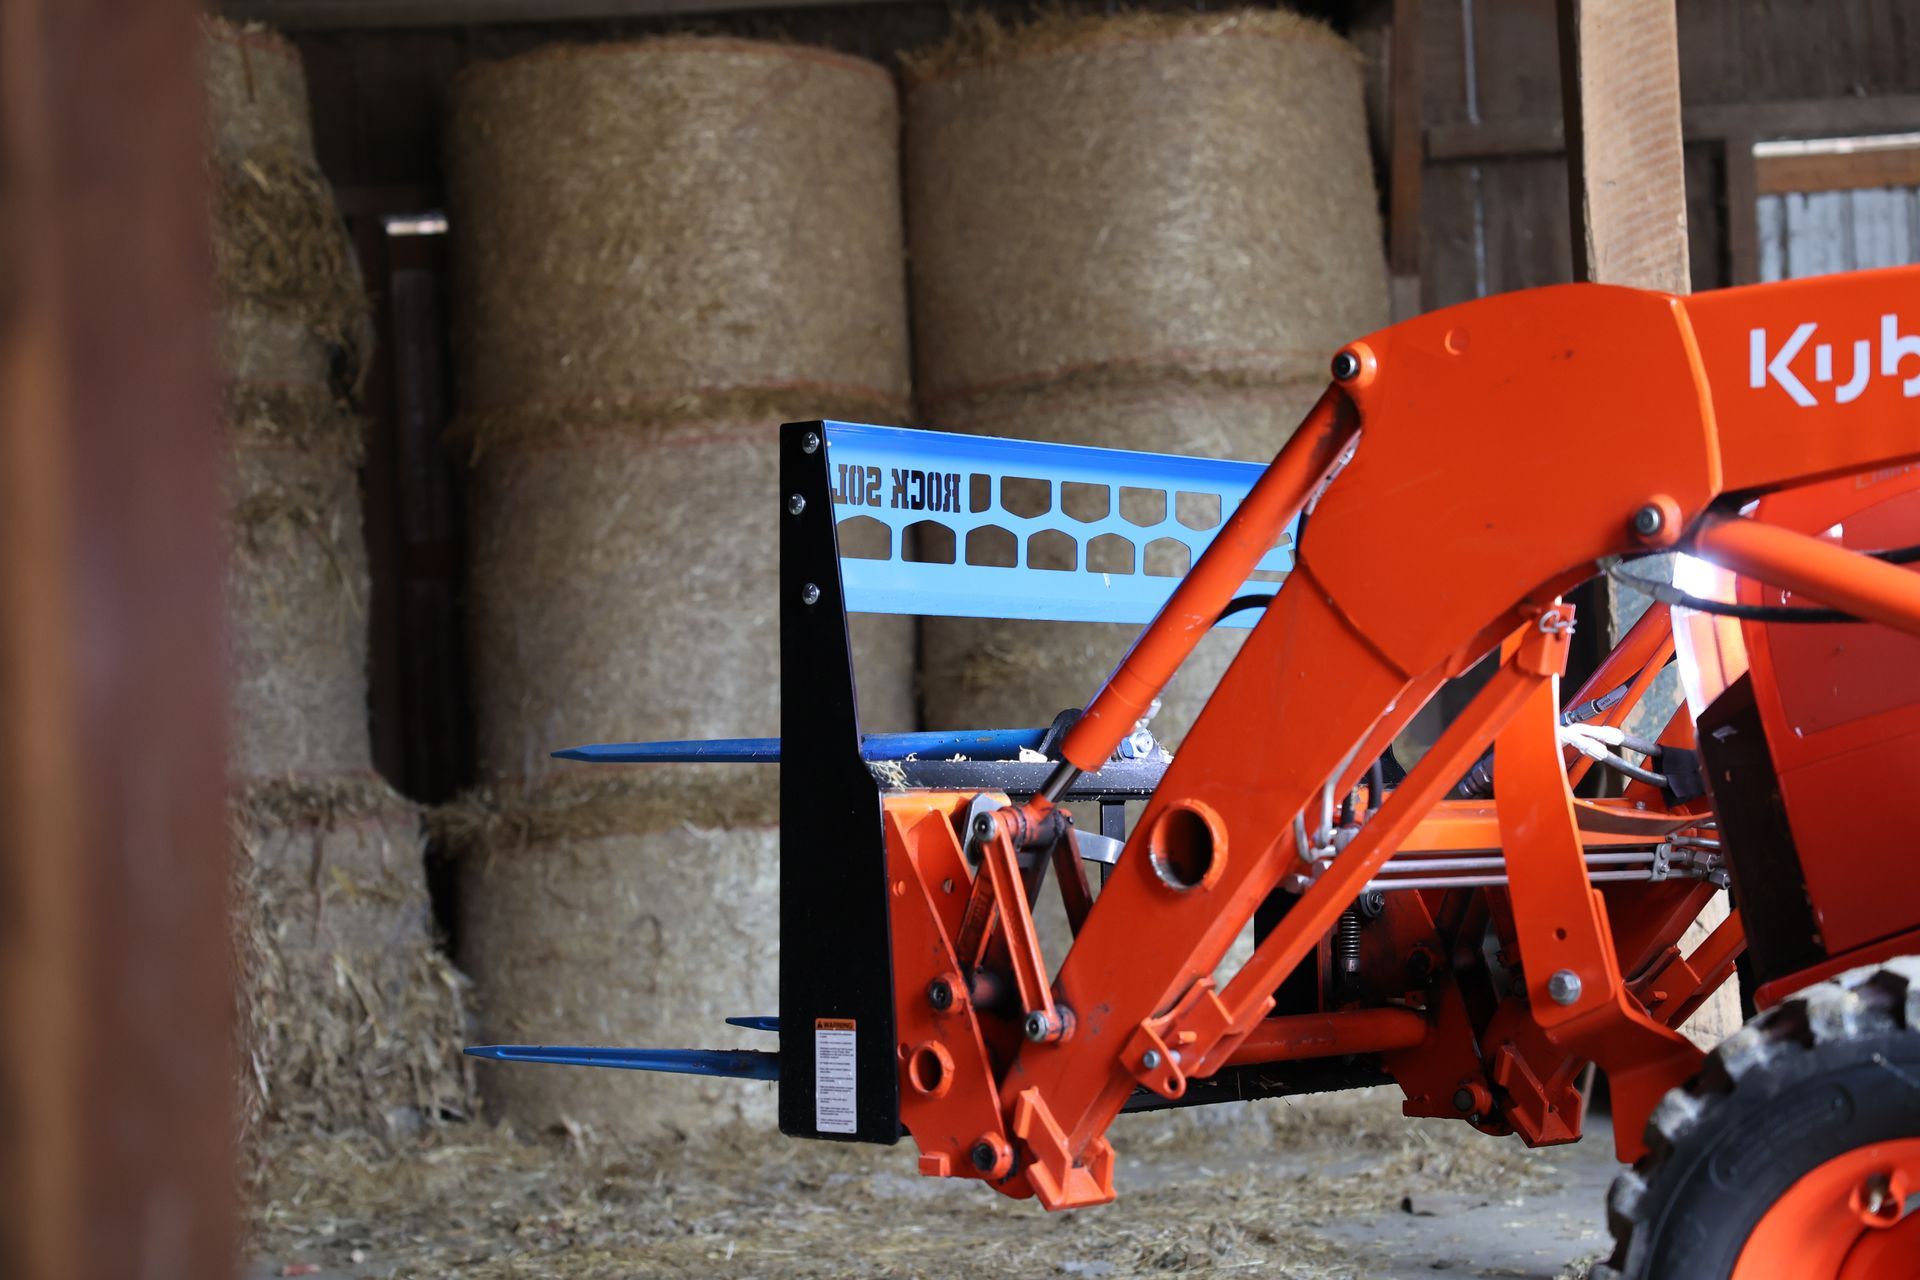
(1341,1189)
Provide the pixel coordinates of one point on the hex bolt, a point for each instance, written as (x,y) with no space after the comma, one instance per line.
(1564,986)
(1876,1196)
(1150,1060)
(810,443)
(983,1155)
(1346,366)
(983,827)
(810,594)
(1463,1100)
(940,994)
(1648,520)
(1038,1026)
(796,504)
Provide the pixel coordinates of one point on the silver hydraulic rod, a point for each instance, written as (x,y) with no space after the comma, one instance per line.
(1492,882)
(1402,864)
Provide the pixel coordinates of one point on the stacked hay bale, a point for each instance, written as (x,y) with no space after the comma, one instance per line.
(1144,231)
(350,1016)
(664,249)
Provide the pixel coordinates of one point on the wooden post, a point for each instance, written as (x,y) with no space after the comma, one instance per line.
(117,1068)
(1627,183)
(1742,191)
(1406,101)
(1626,168)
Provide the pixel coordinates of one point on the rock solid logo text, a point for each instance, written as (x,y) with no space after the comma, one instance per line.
(902,489)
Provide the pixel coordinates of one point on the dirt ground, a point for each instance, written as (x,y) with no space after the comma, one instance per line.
(1319,1189)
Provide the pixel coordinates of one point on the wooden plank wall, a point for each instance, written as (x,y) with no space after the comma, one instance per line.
(1498,220)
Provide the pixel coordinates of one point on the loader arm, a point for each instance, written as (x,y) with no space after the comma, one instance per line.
(1474,932)
(1517,441)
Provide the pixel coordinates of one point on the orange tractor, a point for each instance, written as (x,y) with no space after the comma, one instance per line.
(1479,929)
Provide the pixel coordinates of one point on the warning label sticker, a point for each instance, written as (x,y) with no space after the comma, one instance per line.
(833,1075)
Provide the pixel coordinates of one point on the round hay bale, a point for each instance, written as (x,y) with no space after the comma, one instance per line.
(1137,197)
(297,606)
(351,1018)
(256,90)
(1147,231)
(604,911)
(646,230)
(984,673)
(625,585)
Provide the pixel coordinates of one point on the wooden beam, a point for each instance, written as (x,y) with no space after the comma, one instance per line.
(1407,103)
(1626,164)
(1793,118)
(1627,182)
(1740,187)
(1837,171)
(118,1072)
(318,15)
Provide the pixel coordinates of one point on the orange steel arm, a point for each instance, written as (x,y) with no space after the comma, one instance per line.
(1476,442)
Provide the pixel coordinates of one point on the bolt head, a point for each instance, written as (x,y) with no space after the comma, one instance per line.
(1648,520)
(810,594)
(983,825)
(810,443)
(940,994)
(796,504)
(1876,1197)
(983,1156)
(1463,1100)
(1564,986)
(1346,366)
(1150,1059)
(1037,1026)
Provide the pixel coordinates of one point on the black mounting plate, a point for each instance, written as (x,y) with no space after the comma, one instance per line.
(836,949)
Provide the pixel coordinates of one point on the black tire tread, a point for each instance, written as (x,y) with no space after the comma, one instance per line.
(1861,1002)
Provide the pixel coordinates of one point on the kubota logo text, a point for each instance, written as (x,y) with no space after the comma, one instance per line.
(1777,366)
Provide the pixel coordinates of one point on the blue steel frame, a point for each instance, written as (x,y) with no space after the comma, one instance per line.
(938,495)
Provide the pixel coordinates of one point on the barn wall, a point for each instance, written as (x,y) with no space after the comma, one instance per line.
(1495,217)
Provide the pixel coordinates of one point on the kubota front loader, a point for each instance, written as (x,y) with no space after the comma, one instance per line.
(1478,930)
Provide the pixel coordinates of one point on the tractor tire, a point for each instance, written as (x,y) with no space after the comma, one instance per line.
(1832,1069)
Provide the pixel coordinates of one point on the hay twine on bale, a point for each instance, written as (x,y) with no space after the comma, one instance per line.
(508,820)
(486,431)
(1113,201)
(650,231)
(351,1017)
